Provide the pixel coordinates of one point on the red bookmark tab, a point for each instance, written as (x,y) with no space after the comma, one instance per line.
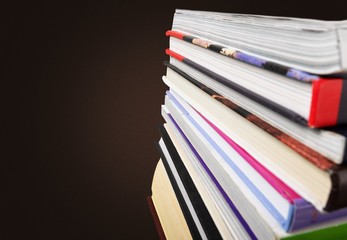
(175,34)
(175,55)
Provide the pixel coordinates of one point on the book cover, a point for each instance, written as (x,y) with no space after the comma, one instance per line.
(207,223)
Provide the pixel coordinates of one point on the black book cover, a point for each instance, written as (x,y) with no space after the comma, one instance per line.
(203,214)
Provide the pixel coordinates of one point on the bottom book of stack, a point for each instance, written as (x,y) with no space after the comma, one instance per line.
(189,201)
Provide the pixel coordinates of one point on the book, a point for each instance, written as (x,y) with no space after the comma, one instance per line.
(199,219)
(256,226)
(185,203)
(167,207)
(231,215)
(227,218)
(156,218)
(310,45)
(315,103)
(324,189)
(254,143)
(323,147)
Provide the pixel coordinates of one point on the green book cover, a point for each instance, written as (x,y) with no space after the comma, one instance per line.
(338,231)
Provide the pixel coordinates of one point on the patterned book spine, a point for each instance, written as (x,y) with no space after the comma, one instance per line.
(244,57)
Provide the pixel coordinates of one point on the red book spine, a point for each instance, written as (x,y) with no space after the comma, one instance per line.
(156,219)
(325,103)
(175,34)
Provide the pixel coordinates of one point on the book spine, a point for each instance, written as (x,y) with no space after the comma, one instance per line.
(329,103)
(307,215)
(194,231)
(303,214)
(156,218)
(205,218)
(244,57)
(338,197)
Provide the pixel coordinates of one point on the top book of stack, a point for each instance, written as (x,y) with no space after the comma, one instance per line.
(311,52)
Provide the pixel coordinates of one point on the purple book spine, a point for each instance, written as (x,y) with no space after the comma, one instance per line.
(306,215)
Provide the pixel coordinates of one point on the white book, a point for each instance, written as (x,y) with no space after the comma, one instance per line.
(310,45)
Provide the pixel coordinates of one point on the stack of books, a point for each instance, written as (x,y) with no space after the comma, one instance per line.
(254,140)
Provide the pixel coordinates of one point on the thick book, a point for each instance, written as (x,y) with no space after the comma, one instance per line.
(324,189)
(323,147)
(257,227)
(316,103)
(310,45)
(289,209)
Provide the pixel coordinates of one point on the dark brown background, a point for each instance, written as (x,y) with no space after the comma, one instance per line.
(82,95)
